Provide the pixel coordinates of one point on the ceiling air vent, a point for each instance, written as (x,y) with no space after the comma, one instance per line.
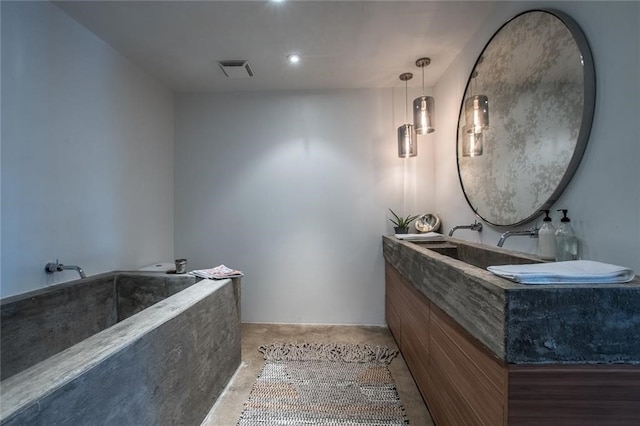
(236,69)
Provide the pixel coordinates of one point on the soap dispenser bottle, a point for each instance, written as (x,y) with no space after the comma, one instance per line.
(566,240)
(547,238)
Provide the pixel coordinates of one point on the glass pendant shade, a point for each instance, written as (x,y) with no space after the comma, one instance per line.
(424,115)
(407,146)
(471,142)
(476,111)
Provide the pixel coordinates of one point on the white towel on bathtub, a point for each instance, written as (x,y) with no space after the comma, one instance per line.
(218,273)
(569,272)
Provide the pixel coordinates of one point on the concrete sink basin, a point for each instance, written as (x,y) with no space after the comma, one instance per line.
(478,256)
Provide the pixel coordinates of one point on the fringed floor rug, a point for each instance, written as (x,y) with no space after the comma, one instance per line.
(324,384)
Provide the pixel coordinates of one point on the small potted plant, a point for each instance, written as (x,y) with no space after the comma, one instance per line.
(401,224)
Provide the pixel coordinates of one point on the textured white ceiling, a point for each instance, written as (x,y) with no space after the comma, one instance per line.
(344,44)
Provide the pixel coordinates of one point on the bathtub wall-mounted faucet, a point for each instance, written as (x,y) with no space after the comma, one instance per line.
(532,233)
(475,226)
(56,266)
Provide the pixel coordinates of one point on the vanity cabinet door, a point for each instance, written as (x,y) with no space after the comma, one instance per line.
(467,382)
(393,305)
(588,395)
(407,314)
(415,336)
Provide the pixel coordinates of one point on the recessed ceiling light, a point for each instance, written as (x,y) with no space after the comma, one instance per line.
(294,58)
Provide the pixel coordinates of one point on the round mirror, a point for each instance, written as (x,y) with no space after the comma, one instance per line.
(525,117)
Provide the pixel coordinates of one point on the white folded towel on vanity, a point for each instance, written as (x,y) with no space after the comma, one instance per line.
(427,236)
(569,272)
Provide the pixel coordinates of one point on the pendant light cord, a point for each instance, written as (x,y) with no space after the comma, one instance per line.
(474,75)
(473,85)
(406,99)
(406,77)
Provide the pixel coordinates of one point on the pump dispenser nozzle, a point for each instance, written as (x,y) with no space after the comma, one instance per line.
(564,215)
(546,216)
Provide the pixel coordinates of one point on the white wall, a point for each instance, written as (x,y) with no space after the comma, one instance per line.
(0,153)
(87,153)
(293,188)
(603,197)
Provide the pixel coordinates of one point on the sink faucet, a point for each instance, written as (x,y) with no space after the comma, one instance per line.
(475,226)
(532,233)
(56,266)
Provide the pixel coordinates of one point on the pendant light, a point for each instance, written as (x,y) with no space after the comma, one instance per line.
(424,107)
(476,118)
(407,146)
(476,109)
(471,142)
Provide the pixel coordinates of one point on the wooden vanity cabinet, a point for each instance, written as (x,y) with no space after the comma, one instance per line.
(461,383)
(464,383)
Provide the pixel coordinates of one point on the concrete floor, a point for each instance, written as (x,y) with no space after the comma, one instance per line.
(228,408)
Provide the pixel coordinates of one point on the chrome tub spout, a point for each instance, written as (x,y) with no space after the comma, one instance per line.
(56,266)
(475,226)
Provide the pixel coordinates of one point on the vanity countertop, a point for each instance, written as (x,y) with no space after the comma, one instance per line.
(524,324)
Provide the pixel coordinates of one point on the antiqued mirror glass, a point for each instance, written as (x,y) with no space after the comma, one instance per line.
(525,117)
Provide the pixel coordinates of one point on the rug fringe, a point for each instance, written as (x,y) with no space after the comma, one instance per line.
(346,352)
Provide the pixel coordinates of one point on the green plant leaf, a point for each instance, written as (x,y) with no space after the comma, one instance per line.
(397,221)
(400,221)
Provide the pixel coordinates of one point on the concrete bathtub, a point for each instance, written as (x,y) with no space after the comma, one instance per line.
(119,348)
